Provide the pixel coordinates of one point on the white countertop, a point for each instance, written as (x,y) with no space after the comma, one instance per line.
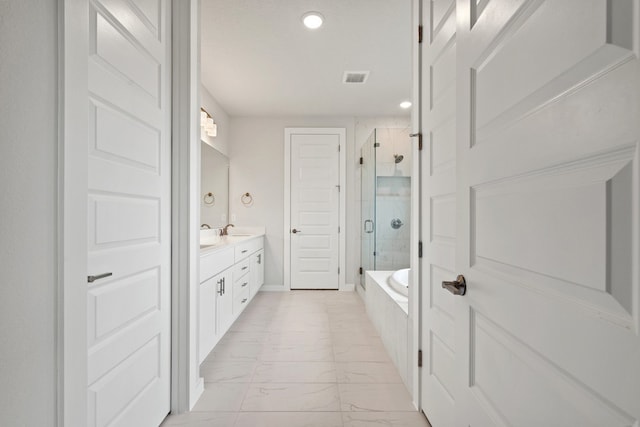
(210,243)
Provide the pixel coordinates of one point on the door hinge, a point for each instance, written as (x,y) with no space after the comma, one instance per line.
(419,358)
(419,33)
(338,148)
(376,145)
(360,270)
(374,253)
(338,270)
(419,135)
(338,229)
(361,161)
(420,249)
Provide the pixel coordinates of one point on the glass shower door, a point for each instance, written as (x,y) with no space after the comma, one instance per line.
(368,207)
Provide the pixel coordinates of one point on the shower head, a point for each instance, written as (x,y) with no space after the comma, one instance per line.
(398,157)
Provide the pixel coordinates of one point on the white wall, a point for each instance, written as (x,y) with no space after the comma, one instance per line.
(256,153)
(28,220)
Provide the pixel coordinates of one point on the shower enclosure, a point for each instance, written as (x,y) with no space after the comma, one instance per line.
(385,200)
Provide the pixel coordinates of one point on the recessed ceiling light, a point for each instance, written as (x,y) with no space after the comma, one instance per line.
(405,104)
(312,20)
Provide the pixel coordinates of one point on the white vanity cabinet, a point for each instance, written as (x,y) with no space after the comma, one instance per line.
(207,311)
(241,285)
(257,271)
(224,303)
(230,275)
(213,304)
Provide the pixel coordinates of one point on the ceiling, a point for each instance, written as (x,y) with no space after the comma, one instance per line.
(259,60)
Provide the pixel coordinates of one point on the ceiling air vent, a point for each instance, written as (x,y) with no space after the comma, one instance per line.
(355,77)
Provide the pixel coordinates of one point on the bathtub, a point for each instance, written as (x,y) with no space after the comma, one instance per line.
(388,310)
(399,281)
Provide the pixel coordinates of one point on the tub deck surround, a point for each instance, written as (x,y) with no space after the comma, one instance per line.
(381,278)
(301,358)
(388,311)
(399,281)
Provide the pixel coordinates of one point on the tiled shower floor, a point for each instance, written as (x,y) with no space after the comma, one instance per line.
(301,358)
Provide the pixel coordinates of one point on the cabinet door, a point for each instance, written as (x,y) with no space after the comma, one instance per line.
(257,272)
(224,301)
(207,317)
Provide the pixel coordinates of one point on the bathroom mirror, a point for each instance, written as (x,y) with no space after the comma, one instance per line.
(214,187)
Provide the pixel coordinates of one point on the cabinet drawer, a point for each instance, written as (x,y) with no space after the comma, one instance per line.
(240,301)
(215,262)
(241,269)
(240,286)
(245,249)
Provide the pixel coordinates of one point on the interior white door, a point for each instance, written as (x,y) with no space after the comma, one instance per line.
(129,200)
(315,208)
(548,96)
(438,188)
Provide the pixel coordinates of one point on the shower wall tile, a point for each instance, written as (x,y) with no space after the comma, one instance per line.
(393,201)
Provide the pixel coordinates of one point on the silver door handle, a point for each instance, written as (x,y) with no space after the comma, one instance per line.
(92,279)
(459,287)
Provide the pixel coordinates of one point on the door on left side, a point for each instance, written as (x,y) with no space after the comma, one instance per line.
(128,206)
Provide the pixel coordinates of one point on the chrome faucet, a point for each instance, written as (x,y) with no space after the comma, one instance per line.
(225,229)
(205,227)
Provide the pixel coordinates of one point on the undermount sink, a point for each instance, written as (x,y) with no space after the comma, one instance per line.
(240,234)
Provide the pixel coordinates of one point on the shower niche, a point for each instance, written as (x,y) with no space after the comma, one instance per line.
(385,200)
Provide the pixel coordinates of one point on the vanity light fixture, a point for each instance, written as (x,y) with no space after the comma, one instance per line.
(312,20)
(206,122)
(405,104)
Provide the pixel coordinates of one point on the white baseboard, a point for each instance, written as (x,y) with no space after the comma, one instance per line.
(274,288)
(349,287)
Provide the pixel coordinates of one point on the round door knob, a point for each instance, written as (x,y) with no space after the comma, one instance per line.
(294,231)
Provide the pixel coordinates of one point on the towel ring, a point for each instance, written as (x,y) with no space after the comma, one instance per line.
(246,199)
(209,199)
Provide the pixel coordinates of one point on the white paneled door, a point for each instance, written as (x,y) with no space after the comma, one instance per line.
(315,208)
(438,188)
(129,199)
(545,148)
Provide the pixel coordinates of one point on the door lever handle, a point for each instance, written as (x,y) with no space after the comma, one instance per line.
(294,231)
(92,279)
(459,287)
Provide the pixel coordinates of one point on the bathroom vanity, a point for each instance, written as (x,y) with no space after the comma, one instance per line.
(231,274)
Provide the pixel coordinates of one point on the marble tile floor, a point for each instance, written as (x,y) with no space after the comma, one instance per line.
(301,359)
